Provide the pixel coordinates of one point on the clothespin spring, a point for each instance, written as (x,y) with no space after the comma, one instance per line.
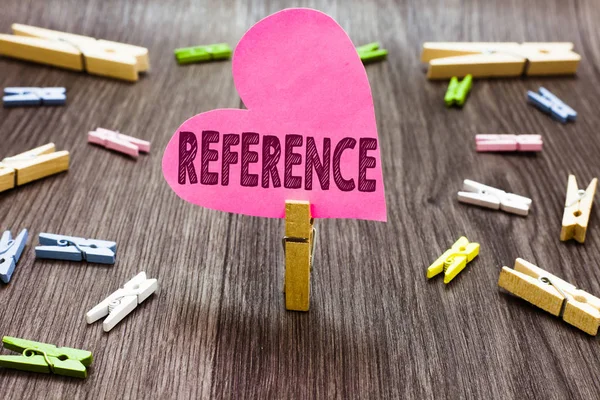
(83,63)
(580,195)
(525,64)
(65,243)
(114,304)
(34,352)
(117,302)
(301,240)
(548,281)
(450,259)
(7,248)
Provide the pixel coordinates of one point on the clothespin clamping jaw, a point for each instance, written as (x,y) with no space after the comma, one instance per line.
(122,302)
(211,52)
(578,207)
(75,52)
(489,197)
(118,142)
(32,165)
(10,253)
(548,103)
(46,358)
(299,247)
(448,59)
(34,96)
(458,91)
(485,143)
(454,260)
(552,294)
(371,52)
(71,248)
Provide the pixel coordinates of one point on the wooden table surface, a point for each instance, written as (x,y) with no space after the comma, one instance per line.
(217,327)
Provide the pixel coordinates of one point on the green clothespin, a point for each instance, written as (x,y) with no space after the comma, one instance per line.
(457,91)
(371,52)
(46,358)
(188,55)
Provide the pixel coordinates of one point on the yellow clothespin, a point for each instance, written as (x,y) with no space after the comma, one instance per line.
(454,259)
(75,52)
(552,294)
(32,165)
(481,59)
(578,207)
(299,244)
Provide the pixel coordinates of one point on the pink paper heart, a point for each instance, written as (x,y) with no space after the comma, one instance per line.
(308,98)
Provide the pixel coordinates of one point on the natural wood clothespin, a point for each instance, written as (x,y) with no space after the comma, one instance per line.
(481,59)
(578,207)
(32,165)
(75,52)
(552,294)
(299,246)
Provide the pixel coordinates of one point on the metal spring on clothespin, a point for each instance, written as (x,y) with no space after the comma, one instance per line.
(548,281)
(580,195)
(34,352)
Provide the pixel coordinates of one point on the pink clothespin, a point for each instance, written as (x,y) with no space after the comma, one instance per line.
(508,142)
(118,142)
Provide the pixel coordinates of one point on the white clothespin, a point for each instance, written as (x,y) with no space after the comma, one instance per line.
(490,197)
(119,304)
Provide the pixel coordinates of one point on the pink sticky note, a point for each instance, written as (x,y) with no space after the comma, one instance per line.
(309,132)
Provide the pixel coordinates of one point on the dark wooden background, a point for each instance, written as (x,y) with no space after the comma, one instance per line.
(217,327)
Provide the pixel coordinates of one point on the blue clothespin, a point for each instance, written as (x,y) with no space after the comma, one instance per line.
(34,96)
(10,252)
(550,104)
(60,247)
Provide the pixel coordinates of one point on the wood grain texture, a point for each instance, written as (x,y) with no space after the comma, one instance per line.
(217,327)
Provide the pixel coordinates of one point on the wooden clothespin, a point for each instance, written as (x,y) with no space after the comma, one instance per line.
(552,294)
(298,243)
(481,59)
(46,358)
(578,207)
(75,52)
(454,260)
(32,165)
